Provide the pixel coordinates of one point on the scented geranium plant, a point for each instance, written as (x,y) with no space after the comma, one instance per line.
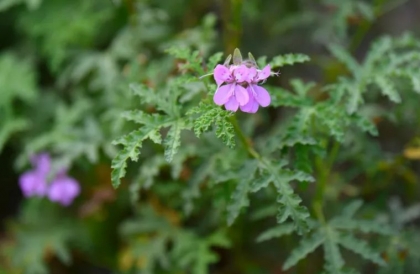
(136,137)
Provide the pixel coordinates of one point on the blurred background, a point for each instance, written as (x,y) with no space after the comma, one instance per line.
(65,67)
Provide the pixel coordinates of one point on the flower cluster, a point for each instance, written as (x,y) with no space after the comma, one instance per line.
(61,188)
(237,86)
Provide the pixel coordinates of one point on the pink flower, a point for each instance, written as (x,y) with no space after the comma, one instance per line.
(258,96)
(61,189)
(233,94)
(238,85)
(34,182)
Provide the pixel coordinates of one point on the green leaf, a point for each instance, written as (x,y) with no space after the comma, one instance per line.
(17,78)
(306,246)
(387,88)
(213,60)
(289,202)
(362,225)
(366,124)
(195,253)
(132,143)
(288,59)
(210,115)
(276,232)
(333,260)
(343,56)
(173,139)
(360,247)
(240,194)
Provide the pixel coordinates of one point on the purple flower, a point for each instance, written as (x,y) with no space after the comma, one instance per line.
(61,189)
(237,85)
(34,182)
(258,96)
(233,94)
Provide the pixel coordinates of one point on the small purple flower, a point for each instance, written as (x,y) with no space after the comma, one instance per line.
(237,84)
(233,94)
(61,189)
(258,96)
(34,182)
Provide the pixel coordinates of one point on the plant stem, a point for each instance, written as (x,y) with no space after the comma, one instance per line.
(324,170)
(247,144)
(232,18)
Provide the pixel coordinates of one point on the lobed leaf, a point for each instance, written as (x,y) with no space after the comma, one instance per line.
(276,232)
(306,246)
(360,247)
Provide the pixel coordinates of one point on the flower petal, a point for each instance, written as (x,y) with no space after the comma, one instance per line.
(252,75)
(42,163)
(32,183)
(261,95)
(63,190)
(241,73)
(252,105)
(221,74)
(232,104)
(264,73)
(241,95)
(223,94)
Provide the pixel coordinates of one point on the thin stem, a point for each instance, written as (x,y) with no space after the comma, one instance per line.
(323,170)
(244,140)
(232,23)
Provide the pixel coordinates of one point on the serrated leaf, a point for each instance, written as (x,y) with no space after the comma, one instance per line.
(360,247)
(306,246)
(354,100)
(211,115)
(240,195)
(333,260)
(343,56)
(173,139)
(289,202)
(132,143)
(213,60)
(351,208)
(387,89)
(366,124)
(288,59)
(276,232)
(362,225)
(144,92)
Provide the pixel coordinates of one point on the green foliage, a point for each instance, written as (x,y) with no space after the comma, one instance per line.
(283,60)
(152,124)
(382,68)
(52,18)
(336,233)
(210,115)
(43,230)
(149,241)
(194,253)
(289,202)
(18,80)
